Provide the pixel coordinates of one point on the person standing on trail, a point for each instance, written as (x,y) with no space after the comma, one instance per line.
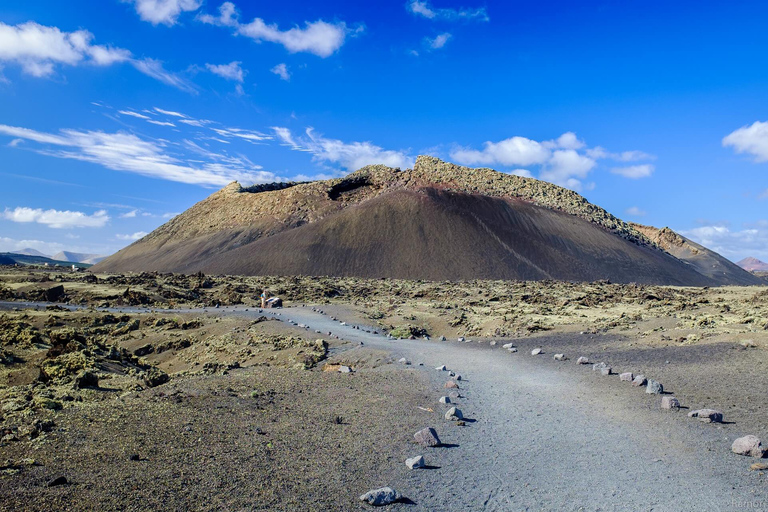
(263,299)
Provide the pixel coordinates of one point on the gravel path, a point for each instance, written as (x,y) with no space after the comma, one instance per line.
(554,435)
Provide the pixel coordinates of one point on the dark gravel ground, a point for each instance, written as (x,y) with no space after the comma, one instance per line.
(205,443)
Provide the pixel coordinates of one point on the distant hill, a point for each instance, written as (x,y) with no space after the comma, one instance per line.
(705,261)
(753,264)
(23,259)
(437,221)
(5,260)
(76,257)
(31,252)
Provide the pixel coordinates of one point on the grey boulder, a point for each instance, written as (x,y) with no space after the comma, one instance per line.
(415,462)
(381,497)
(707,415)
(654,388)
(748,445)
(454,414)
(427,437)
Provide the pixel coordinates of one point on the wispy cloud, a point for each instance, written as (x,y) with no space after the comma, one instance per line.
(317,37)
(634,171)
(438,41)
(425,9)
(281,70)
(57,218)
(170,113)
(751,139)
(635,211)
(122,151)
(154,68)
(132,114)
(232,71)
(349,155)
(132,237)
(163,11)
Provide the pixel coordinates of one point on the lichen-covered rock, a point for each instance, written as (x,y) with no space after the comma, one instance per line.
(86,379)
(155,377)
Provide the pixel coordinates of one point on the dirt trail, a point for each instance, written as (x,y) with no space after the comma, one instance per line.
(554,436)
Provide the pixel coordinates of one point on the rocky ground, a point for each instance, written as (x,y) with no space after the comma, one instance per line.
(162,409)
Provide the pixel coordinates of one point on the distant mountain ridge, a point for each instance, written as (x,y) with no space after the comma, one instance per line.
(12,258)
(753,264)
(32,252)
(76,257)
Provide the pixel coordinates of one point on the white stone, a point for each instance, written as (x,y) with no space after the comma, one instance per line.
(381,497)
(748,445)
(453,414)
(415,462)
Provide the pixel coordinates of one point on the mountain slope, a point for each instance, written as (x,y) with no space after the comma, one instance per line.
(76,257)
(31,252)
(753,264)
(706,262)
(436,221)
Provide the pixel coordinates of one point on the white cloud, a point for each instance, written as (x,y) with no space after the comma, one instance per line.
(634,171)
(635,211)
(56,218)
(512,151)
(251,136)
(126,152)
(161,123)
(231,71)
(734,245)
(565,161)
(568,140)
(38,49)
(349,155)
(132,114)
(129,215)
(438,41)
(132,237)
(163,11)
(567,168)
(154,69)
(170,113)
(318,37)
(751,139)
(633,156)
(281,70)
(423,8)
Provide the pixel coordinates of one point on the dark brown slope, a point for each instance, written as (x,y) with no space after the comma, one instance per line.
(439,235)
(706,262)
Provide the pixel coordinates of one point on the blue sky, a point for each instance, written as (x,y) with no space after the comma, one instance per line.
(116,115)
